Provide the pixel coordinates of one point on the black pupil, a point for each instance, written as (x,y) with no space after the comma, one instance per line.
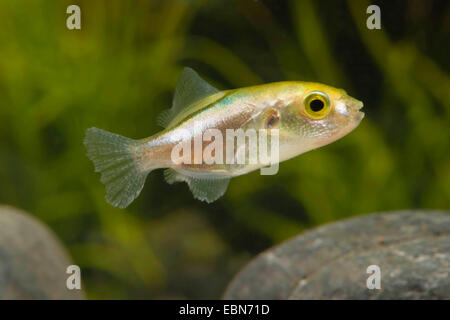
(316,105)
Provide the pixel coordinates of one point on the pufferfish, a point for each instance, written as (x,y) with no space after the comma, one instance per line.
(304,115)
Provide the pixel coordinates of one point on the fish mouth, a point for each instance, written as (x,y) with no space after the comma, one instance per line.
(359,114)
(356,106)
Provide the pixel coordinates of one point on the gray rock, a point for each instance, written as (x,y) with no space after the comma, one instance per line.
(412,249)
(32,261)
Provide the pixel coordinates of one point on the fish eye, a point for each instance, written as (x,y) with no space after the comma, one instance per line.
(316,104)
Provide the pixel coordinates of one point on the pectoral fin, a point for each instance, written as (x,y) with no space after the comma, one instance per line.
(205,189)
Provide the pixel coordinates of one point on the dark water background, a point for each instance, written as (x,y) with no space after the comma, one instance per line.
(119,71)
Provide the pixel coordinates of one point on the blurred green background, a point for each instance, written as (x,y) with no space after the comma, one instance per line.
(119,71)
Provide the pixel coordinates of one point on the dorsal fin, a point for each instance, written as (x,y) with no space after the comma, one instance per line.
(190,89)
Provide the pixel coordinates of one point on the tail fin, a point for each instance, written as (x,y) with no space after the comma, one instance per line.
(116,158)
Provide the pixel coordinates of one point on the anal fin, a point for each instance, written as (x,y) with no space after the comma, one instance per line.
(207,189)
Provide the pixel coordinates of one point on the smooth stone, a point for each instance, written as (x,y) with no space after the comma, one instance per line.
(33,262)
(412,249)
